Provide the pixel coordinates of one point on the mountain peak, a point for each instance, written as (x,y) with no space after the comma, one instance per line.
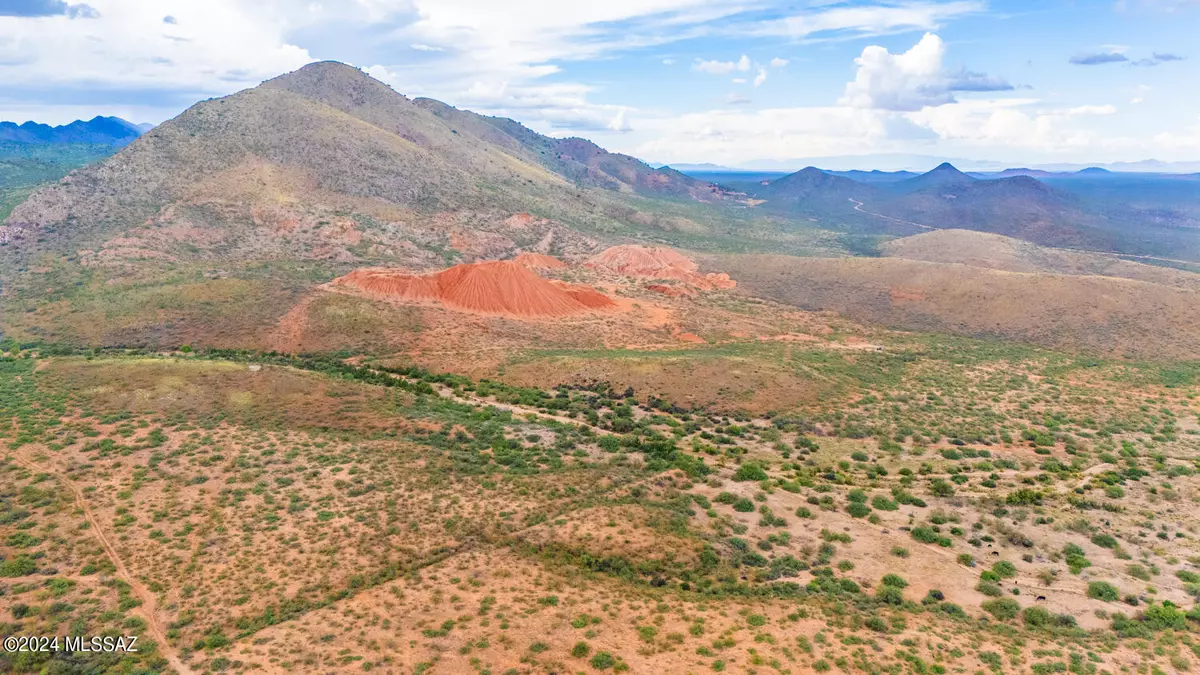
(946,168)
(333,83)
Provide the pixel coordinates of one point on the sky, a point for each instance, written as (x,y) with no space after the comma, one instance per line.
(748,83)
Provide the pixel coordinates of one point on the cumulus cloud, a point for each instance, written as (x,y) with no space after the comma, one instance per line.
(761,77)
(778,62)
(722,67)
(913,79)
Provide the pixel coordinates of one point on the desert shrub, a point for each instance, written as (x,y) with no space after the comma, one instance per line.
(989,589)
(890,595)
(894,580)
(602,661)
(743,505)
(1002,608)
(883,503)
(581,650)
(1004,569)
(857,510)
(1076,561)
(750,471)
(1105,541)
(1037,617)
(1102,590)
(1138,572)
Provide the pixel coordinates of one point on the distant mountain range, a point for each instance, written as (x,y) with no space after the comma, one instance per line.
(1090,209)
(891,163)
(112,131)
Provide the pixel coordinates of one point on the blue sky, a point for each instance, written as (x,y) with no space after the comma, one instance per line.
(744,82)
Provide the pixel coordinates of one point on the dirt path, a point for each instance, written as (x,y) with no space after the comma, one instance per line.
(858,207)
(288,334)
(149,606)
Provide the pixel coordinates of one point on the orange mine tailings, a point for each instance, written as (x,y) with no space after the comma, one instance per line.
(656,262)
(505,288)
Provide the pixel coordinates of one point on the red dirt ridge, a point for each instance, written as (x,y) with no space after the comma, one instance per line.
(656,262)
(496,287)
(540,261)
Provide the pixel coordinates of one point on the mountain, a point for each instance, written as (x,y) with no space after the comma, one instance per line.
(576,159)
(941,177)
(328,138)
(813,193)
(1008,173)
(254,198)
(96,131)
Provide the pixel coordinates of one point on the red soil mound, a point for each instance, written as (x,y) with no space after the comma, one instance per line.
(501,287)
(540,261)
(673,291)
(656,262)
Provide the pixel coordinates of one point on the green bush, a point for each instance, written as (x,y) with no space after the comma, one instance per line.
(1037,617)
(882,503)
(1102,590)
(989,589)
(890,595)
(603,661)
(857,510)
(1004,569)
(894,580)
(1002,608)
(1105,541)
(743,505)
(581,650)
(750,471)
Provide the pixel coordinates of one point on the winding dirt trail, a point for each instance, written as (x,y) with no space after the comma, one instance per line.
(149,607)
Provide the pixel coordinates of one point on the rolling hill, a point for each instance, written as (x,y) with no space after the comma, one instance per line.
(1100,315)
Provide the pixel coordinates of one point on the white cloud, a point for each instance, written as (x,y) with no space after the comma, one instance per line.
(619,123)
(426,48)
(865,21)
(738,80)
(778,62)
(761,77)
(668,62)
(911,80)
(1092,110)
(739,136)
(735,98)
(722,67)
